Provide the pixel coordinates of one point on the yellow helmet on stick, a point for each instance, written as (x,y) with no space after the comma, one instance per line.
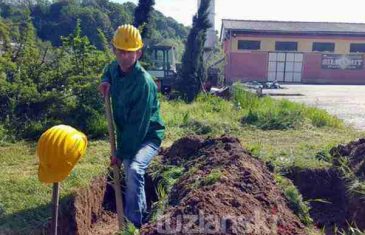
(58,150)
(128,38)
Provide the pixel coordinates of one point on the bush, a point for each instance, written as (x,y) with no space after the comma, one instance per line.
(33,130)
(96,126)
(46,86)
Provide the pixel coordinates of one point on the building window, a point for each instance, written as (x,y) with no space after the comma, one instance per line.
(323,46)
(249,45)
(286,46)
(357,47)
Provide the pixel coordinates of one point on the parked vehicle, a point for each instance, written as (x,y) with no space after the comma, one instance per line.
(163,66)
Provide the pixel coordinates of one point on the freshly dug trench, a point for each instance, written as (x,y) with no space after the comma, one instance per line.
(327,195)
(354,154)
(224,190)
(83,211)
(92,210)
(338,207)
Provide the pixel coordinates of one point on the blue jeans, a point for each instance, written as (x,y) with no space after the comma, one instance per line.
(135,197)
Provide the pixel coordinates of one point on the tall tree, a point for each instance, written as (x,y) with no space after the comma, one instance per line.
(4,37)
(193,71)
(142,16)
(79,48)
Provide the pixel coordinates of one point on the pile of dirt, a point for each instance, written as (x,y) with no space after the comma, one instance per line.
(224,190)
(182,150)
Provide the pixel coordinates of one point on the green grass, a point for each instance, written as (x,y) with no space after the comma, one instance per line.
(280,132)
(296,202)
(297,146)
(269,114)
(167,176)
(214,176)
(25,202)
(354,185)
(129,230)
(351,230)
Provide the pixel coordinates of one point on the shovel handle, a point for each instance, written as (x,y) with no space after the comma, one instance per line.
(55,203)
(116,177)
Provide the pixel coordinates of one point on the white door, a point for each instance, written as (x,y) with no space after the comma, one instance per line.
(285,67)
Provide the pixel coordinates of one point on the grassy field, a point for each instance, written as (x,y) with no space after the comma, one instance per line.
(281,132)
(24,201)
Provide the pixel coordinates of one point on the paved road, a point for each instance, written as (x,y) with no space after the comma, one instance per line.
(346,102)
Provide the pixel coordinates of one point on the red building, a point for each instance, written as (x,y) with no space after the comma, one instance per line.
(294,52)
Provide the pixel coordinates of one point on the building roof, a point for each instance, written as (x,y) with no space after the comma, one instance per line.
(331,28)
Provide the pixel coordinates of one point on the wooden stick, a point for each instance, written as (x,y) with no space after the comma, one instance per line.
(116,178)
(55,202)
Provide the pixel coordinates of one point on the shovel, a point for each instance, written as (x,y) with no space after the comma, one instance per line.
(55,205)
(116,177)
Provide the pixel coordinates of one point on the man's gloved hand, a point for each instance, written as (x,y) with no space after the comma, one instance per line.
(104,88)
(115,161)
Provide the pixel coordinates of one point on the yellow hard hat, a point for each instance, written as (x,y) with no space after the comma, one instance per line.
(58,150)
(128,38)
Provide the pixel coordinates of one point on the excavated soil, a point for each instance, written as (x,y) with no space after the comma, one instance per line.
(224,191)
(92,210)
(85,212)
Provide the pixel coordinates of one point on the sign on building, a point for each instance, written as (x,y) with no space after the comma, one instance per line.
(349,62)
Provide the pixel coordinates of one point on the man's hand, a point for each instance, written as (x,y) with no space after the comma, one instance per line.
(115,161)
(104,88)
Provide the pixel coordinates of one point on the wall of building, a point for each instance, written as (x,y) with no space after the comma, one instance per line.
(313,72)
(247,65)
(342,45)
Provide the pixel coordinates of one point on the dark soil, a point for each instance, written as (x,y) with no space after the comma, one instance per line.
(84,211)
(224,191)
(342,208)
(355,153)
(92,210)
(327,186)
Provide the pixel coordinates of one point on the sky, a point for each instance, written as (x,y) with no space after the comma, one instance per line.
(287,10)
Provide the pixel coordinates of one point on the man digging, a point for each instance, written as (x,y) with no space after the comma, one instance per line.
(136,113)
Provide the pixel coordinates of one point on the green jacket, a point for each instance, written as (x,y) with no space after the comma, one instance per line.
(136,109)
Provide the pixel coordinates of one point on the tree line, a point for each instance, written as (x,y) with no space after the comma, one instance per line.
(49,81)
(58,18)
